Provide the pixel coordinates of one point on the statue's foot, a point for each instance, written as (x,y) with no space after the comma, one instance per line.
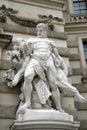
(22,109)
(60,110)
(14,82)
(79,98)
(9,84)
(46,106)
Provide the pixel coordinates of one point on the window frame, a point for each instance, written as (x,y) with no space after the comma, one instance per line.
(80,10)
(81,51)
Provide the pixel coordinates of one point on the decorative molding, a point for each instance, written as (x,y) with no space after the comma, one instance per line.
(5,40)
(53,4)
(80,18)
(2,18)
(4,12)
(45,124)
(6,37)
(49,20)
(9,12)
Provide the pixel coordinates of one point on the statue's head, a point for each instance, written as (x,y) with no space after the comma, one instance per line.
(42,30)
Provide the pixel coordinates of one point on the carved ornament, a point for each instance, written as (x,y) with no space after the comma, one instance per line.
(11,13)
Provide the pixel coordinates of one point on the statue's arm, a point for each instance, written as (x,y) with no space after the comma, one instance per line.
(63,66)
(60,61)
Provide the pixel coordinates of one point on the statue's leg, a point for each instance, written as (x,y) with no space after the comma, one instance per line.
(72,89)
(51,76)
(18,76)
(56,98)
(27,87)
(20,73)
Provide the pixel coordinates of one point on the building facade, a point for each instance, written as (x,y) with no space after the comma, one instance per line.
(76,24)
(67,23)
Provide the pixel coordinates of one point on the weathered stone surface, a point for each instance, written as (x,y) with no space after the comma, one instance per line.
(31,31)
(74,57)
(7,111)
(81,106)
(4,44)
(5,89)
(47,3)
(72,44)
(5,124)
(83,125)
(76,71)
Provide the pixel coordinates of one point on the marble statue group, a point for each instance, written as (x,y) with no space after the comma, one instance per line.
(43,71)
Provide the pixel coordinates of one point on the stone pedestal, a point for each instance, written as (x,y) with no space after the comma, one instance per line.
(45,120)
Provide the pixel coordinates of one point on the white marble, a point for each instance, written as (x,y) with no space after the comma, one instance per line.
(43,70)
(42,114)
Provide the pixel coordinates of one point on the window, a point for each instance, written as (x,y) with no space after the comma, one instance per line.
(80,6)
(85,50)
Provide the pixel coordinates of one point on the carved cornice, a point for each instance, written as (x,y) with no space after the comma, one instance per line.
(56,4)
(78,18)
(9,12)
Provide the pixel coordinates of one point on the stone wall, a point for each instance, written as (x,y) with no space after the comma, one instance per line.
(76,30)
(9,99)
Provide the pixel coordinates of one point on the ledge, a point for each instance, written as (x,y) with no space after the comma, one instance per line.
(74,57)
(5,40)
(72,44)
(76,28)
(31,31)
(76,71)
(57,4)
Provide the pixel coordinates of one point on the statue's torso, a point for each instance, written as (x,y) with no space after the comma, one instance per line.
(41,48)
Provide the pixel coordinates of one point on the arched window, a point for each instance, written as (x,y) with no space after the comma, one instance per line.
(80,6)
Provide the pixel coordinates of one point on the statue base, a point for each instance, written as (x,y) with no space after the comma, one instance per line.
(45,120)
